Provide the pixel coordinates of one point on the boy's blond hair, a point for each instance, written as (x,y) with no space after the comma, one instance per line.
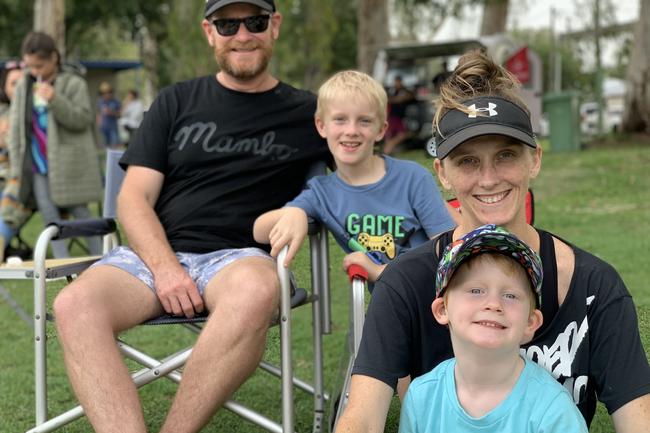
(349,85)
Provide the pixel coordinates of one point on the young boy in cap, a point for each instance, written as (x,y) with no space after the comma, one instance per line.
(488,286)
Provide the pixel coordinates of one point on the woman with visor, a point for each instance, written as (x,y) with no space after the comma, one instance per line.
(486,155)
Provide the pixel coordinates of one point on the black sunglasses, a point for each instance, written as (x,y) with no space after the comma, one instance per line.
(230,26)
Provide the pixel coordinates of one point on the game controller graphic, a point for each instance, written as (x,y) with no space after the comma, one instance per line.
(384,244)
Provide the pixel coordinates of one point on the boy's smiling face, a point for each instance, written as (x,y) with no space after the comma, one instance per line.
(351,126)
(488,305)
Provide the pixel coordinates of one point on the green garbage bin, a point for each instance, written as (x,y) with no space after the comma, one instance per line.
(563,111)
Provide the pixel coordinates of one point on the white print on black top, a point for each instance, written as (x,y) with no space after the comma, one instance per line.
(228,144)
(558,359)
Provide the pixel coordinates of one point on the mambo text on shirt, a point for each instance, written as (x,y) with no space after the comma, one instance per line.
(227,144)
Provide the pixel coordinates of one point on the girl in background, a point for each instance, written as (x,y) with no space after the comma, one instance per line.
(51,140)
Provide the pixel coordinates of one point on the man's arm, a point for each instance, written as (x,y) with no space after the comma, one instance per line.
(135,207)
(633,416)
(367,407)
(280,227)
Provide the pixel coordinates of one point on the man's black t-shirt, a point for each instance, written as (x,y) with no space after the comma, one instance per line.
(227,157)
(592,344)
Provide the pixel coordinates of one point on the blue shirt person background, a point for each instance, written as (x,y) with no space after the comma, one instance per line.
(108,112)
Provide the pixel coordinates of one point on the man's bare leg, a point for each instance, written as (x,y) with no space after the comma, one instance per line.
(242,298)
(89,313)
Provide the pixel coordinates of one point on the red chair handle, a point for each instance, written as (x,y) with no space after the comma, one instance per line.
(357,271)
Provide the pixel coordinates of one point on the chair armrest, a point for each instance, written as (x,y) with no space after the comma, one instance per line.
(84,227)
(313,226)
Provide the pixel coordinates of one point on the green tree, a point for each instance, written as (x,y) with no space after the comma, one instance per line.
(304,51)
(184,53)
(15,21)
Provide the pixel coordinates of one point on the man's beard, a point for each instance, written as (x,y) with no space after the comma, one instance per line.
(245,71)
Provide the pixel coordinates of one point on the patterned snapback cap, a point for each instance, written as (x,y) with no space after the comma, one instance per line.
(489,239)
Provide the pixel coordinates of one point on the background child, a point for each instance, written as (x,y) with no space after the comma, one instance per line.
(382,204)
(488,287)
(52,148)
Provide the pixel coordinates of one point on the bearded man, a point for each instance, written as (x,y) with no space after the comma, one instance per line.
(211,154)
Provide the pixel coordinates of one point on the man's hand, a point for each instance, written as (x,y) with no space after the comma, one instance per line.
(361,259)
(290,229)
(177,292)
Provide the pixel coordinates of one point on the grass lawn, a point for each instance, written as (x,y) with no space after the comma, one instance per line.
(599,199)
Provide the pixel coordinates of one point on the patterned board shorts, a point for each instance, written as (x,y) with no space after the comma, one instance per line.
(200,267)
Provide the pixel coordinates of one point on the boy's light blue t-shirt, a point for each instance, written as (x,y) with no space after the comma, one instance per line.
(537,404)
(402,210)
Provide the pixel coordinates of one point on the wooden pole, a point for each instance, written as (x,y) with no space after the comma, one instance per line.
(49,18)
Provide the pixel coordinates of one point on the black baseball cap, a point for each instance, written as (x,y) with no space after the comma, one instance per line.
(486,115)
(211,6)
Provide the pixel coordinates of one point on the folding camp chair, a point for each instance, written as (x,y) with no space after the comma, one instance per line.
(41,271)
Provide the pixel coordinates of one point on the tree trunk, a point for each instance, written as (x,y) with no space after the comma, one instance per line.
(636,117)
(373,32)
(495,15)
(49,18)
(149,57)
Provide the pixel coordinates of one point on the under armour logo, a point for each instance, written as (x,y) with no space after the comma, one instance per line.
(490,109)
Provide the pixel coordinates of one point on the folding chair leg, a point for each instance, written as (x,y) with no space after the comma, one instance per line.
(357,316)
(285,343)
(40,322)
(321,319)
(175,376)
(156,371)
(319,397)
(298,383)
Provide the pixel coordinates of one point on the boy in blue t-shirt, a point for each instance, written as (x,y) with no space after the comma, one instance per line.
(375,206)
(488,287)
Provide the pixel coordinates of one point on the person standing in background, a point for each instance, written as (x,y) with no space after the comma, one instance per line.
(399,98)
(108,111)
(51,141)
(9,76)
(131,114)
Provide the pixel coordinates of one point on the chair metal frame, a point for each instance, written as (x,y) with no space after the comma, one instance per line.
(43,270)
(358,277)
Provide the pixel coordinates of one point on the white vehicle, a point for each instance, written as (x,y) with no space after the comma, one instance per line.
(612,118)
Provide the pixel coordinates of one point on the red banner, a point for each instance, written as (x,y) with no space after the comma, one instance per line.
(519,65)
